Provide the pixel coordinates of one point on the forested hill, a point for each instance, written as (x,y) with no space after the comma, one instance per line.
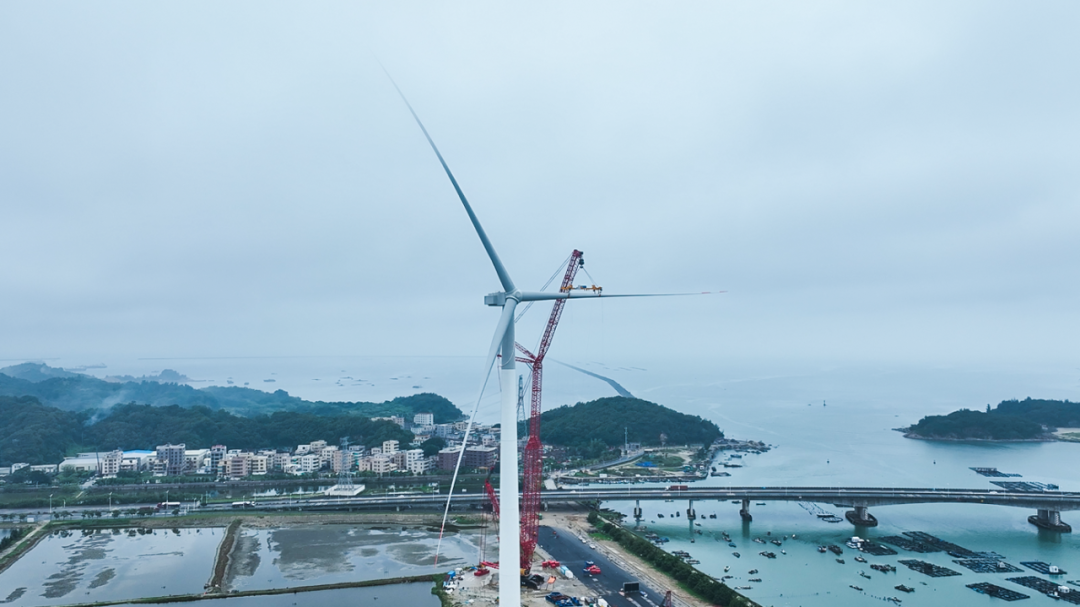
(75,392)
(39,434)
(605,420)
(1011,420)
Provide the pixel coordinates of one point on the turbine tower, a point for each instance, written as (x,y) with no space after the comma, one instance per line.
(502,342)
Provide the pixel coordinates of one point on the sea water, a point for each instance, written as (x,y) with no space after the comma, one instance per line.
(831,425)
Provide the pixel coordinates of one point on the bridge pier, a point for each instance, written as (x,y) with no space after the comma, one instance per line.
(745,511)
(860,517)
(690,516)
(1050,520)
(637,512)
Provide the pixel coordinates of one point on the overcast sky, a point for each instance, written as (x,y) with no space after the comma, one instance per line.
(868,181)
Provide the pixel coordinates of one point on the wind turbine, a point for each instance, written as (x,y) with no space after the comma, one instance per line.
(503,342)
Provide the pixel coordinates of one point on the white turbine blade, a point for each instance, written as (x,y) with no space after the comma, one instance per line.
(496,342)
(500,269)
(531,296)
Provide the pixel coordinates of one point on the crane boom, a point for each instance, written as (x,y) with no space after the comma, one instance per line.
(533,454)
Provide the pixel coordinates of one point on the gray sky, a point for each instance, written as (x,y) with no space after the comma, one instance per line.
(869,181)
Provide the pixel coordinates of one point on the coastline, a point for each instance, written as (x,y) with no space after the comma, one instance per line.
(1046,438)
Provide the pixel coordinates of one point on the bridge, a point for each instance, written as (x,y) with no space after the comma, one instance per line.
(1047,504)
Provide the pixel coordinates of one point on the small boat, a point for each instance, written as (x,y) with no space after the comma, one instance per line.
(759,503)
(692,561)
(841,561)
(822,549)
(903,588)
(860,559)
(752,571)
(755,579)
(727,568)
(736,554)
(837,550)
(863,574)
(759,540)
(744,588)
(777,542)
(659,515)
(855,587)
(783,552)
(732,545)
(894,599)
(712,516)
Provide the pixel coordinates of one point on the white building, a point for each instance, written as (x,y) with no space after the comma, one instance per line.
(381,464)
(260,464)
(389,446)
(110,464)
(423,419)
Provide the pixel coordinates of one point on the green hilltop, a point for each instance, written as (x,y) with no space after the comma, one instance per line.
(606,419)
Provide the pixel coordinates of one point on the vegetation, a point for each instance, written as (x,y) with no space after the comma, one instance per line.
(15,535)
(593,427)
(1051,413)
(691,579)
(967,424)
(76,392)
(1010,420)
(39,434)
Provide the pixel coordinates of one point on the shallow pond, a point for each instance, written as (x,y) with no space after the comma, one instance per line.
(327,554)
(111,564)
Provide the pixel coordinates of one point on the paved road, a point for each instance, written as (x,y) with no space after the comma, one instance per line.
(572,552)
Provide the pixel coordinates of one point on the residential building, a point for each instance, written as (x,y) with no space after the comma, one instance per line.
(381,464)
(172,458)
(111,462)
(389,446)
(423,419)
(260,464)
(217,453)
(448,458)
(479,457)
(237,466)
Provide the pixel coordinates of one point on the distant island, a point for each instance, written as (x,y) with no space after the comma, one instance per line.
(78,392)
(1012,420)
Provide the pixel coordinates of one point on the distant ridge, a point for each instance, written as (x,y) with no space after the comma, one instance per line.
(621,391)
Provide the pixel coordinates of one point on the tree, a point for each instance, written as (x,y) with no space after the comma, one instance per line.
(433,445)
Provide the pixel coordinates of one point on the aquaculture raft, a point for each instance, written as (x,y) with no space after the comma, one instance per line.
(929,569)
(875,549)
(939,544)
(1041,567)
(987,565)
(1046,587)
(997,591)
(994,473)
(908,544)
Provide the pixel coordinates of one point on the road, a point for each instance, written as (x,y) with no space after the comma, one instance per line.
(572,552)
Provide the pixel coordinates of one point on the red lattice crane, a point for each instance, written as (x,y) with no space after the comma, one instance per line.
(533,455)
